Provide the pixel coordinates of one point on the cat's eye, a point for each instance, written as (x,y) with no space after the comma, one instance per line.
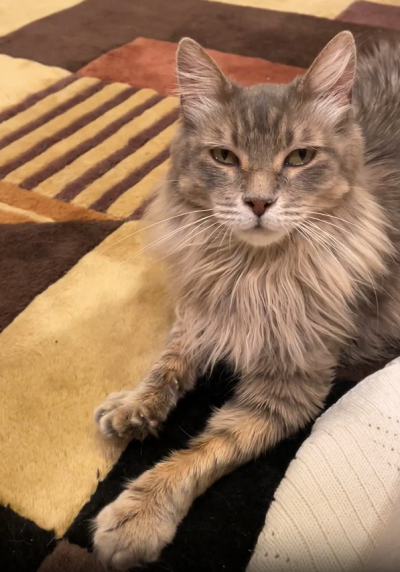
(224,156)
(299,157)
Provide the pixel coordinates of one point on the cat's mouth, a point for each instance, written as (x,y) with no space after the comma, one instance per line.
(260,237)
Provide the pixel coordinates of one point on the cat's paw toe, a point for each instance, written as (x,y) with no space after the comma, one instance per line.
(125,414)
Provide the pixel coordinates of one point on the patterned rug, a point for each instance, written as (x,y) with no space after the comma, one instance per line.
(85,123)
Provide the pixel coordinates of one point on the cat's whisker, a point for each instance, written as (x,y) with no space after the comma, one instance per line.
(309,237)
(192,233)
(209,237)
(341,245)
(329,240)
(347,254)
(185,241)
(219,227)
(223,238)
(230,239)
(325,245)
(306,237)
(152,225)
(314,236)
(350,253)
(216,223)
(344,221)
(341,228)
(165,237)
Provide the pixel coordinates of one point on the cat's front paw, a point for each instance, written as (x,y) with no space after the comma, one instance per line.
(133,529)
(124,414)
(139,413)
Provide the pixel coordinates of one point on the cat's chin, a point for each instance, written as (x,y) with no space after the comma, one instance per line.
(261,238)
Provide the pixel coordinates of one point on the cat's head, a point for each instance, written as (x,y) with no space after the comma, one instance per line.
(265,158)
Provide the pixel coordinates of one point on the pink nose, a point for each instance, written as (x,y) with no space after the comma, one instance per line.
(258,206)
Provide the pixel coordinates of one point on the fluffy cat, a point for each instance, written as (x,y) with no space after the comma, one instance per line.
(281,211)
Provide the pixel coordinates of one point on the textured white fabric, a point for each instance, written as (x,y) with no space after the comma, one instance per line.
(330,510)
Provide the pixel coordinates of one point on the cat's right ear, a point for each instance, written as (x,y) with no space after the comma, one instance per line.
(332,73)
(200,81)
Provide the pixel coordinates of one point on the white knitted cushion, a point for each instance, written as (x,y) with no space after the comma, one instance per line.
(331,507)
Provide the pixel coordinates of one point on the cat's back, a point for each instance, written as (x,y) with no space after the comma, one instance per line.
(377,97)
(378,72)
(377,87)
(377,104)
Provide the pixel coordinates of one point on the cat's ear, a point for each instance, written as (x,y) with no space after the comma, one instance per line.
(200,81)
(332,73)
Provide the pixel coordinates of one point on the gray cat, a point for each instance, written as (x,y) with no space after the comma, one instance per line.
(280,224)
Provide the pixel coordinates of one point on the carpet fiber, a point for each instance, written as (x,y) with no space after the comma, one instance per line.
(86,118)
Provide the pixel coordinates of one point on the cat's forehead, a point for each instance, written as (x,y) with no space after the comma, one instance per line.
(261,110)
(263,116)
(263,100)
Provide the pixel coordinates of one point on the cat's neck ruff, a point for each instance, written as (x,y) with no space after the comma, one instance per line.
(291,296)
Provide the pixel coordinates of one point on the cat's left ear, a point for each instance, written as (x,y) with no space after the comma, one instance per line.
(201,82)
(332,73)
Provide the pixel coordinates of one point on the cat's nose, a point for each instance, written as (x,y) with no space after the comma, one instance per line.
(258,206)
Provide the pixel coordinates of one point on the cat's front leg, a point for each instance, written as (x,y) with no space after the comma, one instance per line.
(141,411)
(143,520)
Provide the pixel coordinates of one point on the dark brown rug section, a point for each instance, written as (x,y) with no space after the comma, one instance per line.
(70,558)
(34,256)
(75,37)
(370,14)
(23,544)
(151,63)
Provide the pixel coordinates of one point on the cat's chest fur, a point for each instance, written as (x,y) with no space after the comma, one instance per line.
(266,313)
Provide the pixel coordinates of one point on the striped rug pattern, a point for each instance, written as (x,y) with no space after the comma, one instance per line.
(86,120)
(95,145)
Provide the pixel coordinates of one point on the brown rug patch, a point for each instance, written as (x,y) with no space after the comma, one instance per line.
(33,256)
(73,38)
(370,14)
(68,557)
(151,63)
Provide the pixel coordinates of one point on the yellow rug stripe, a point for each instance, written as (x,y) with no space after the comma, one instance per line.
(125,167)
(133,197)
(65,145)
(53,185)
(21,78)
(96,330)
(51,127)
(50,187)
(29,214)
(321,8)
(43,106)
